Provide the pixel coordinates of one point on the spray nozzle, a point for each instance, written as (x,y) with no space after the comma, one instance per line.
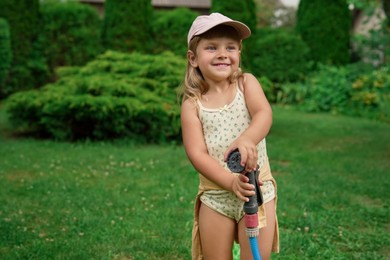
(234,164)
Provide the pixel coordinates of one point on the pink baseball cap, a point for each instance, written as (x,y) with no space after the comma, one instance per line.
(203,23)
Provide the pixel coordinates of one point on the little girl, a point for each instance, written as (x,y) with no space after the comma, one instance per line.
(224,109)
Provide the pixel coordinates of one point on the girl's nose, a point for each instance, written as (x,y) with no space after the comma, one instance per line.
(222,53)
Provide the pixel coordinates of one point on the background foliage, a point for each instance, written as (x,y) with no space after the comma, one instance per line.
(71,34)
(127,25)
(280,55)
(5,51)
(28,67)
(347,90)
(170,29)
(116,95)
(325,26)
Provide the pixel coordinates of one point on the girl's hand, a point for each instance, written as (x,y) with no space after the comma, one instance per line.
(242,188)
(248,151)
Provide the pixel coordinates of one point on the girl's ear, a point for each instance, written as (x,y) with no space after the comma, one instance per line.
(192,59)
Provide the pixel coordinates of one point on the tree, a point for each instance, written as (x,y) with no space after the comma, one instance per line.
(23,18)
(126,25)
(252,15)
(70,41)
(170,28)
(324,26)
(5,50)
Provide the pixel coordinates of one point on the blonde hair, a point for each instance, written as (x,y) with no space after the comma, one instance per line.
(194,85)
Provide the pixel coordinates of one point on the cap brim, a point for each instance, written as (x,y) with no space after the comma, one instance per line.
(242,29)
(203,24)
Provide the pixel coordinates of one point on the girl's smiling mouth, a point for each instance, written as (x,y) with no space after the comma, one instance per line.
(221,65)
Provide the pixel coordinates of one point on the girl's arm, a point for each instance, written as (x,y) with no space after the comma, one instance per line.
(261,113)
(197,153)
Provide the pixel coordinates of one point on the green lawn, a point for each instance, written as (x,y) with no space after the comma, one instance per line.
(117,200)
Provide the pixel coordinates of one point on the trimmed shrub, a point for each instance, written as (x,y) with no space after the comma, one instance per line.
(71,33)
(280,56)
(127,25)
(28,67)
(252,14)
(5,51)
(170,30)
(115,95)
(23,19)
(325,26)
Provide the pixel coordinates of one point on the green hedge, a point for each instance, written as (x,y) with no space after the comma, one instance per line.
(5,51)
(279,55)
(170,30)
(127,25)
(23,19)
(325,27)
(115,95)
(28,68)
(71,33)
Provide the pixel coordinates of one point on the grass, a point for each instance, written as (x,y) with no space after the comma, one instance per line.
(117,200)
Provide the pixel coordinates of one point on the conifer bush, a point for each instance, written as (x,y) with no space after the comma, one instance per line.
(23,19)
(115,95)
(325,27)
(127,25)
(5,50)
(28,68)
(281,56)
(71,33)
(170,30)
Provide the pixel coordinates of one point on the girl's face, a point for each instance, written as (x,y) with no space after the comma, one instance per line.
(217,58)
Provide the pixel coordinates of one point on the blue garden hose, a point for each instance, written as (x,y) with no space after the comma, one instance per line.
(254,248)
(250,207)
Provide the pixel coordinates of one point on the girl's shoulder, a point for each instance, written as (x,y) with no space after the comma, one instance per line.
(189,106)
(248,77)
(189,103)
(246,80)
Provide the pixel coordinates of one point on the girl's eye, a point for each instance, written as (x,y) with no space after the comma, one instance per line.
(210,48)
(231,48)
